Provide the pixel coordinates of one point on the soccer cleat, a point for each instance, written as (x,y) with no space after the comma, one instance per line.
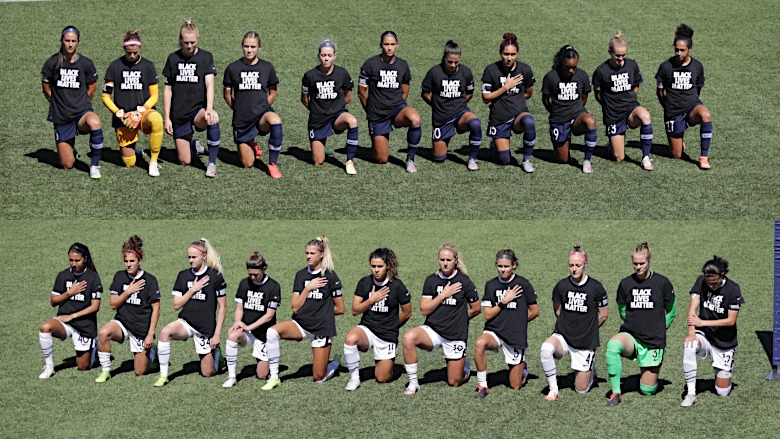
(230,382)
(199,148)
(48,371)
(211,170)
(587,167)
(410,168)
(704,163)
(103,377)
(467,369)
(472,165)
(646,164)
(411,389)
(552,396)
(481,392)
(350,167)
(273,171)
(332,367)
(161,381)
(154,169)
(94,172)
(353,384)
(258,151)
(614,399)
(525,373)
(688,401)
(271,384)
(528,166)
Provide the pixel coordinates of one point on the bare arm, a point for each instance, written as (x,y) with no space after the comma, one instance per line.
(603,314)
(406,313)
(533,311)
(338,306)
(347,96)
(228,95)
(272,94)
(363,95)
(474,309)
(426,96)
(46,87)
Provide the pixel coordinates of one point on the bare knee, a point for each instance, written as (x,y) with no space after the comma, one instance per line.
(454,382)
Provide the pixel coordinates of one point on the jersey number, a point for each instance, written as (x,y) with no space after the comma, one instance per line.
(437,133)
(492,131)
(612,129)
(669,126)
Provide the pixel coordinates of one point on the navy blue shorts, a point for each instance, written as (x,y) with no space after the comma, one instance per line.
(620,127)
(248,133)
(185,130)
(676,126)
(325,131)
(502,131)
(385,126)
(66,131)
(448,130)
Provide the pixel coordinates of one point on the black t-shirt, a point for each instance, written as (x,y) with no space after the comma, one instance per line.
(715,305)
(69,83)
(382,317)
(511,103)
(187,78)
(578,320)
(85,325)
(249,86)
(449,92)
(326,94)
(256,300)
(136,313)
(450,319)
(617,89)
(316,313)
(384,85)
(681,85)
(565,95)
(511,323)
(645,312)
(131,84)
(200,310)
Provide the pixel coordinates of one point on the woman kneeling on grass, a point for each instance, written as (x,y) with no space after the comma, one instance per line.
(199,293)
(316,301)
(135,295)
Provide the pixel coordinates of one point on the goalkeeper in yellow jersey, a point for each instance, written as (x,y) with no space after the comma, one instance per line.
(132,80)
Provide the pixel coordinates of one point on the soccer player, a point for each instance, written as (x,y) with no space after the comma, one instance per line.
(646,304)
(132,80)
(509,304)
(616,85)
(580,305)
(69,81)
(250,90)
(325,92)
(257,300)
(198,294)
(135,296)
(680,79)
(565,91)
(449,300)
(383,88)
(316,301)
(447,88)
(189,98)
(506,86)
(378,297)
(713,332)
(76,292)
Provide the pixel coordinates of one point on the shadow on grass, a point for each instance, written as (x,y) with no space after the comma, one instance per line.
(305,156)
(70,363)
(630,384)
(188,369)
(51,158)
(567,382)
(250,371)
(367,373)
(501,378)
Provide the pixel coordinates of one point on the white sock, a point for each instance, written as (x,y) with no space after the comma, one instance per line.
(45,339)
(164,355)
(105,361)
(231,355)
(411,372)
(272,350)
(482,378)
(548,365)
(689,369)
(352,358)
(723,392)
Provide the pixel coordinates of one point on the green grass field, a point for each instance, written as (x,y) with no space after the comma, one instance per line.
(739,95)
(687,216)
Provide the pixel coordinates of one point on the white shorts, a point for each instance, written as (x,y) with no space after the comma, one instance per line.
(80,342)
(382,350)
(581,359)
(721,359)
(453,349)
(316,342)
(512,354)
(136,344)
(258,346)
(202,343)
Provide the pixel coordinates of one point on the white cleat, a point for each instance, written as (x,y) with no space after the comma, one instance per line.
(48,371)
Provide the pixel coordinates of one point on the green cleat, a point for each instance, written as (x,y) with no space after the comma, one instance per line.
(271,384)
(161,382)
(103,377)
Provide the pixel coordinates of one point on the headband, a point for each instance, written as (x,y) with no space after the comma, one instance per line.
(135,253)
(198,249)
(71,29)
(328,43)
(132,43)
(579,252)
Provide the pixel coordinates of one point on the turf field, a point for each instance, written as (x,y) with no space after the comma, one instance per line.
(738,92)
(687,216)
